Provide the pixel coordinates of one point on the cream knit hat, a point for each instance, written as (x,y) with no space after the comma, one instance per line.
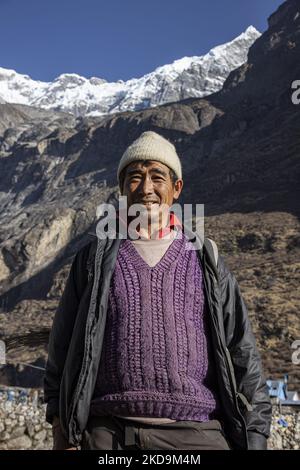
(151,146)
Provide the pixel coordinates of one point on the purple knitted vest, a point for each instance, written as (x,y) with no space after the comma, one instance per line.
(156,358)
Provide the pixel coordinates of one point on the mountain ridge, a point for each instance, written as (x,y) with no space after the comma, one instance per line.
(195,76)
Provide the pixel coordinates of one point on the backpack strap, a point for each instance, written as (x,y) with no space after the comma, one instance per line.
(214,250)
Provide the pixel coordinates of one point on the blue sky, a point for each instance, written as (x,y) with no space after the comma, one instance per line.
(118,39)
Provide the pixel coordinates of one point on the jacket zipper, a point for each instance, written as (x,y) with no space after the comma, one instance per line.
(83,368)
(79,384)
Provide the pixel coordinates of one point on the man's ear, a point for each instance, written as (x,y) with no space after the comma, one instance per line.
(177,188)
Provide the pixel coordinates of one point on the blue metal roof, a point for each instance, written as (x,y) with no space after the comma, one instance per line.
(277,388)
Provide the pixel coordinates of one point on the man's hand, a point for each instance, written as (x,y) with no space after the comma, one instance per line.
(59,440)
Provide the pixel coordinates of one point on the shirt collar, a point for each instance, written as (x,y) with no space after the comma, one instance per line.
(174,224)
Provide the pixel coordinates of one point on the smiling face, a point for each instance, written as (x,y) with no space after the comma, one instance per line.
(149,182)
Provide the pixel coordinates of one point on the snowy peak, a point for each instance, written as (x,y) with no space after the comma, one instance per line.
(188,77)
(69,80)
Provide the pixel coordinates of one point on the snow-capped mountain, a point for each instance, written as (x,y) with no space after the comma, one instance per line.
(196,76)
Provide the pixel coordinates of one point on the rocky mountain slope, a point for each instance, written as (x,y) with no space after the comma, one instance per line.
(195,76)
(240,151)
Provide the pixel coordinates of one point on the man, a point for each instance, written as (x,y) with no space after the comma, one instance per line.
(151,345)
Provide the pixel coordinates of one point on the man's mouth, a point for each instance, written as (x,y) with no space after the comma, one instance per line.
(149,206)
(148,203)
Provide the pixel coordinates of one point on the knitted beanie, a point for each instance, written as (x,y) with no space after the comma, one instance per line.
(151,146)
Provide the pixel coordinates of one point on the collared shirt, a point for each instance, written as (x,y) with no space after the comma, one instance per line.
(173,224)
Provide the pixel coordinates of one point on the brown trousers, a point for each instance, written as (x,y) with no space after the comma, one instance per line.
(112,432)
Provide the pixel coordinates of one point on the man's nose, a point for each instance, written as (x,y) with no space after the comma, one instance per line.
(147,185)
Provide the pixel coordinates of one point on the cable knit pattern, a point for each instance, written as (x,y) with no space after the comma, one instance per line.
(156,358)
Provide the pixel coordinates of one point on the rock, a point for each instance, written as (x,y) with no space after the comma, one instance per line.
(20,443)
(30,429)
(4,436)
(4,270)
(17,432)
(40,436)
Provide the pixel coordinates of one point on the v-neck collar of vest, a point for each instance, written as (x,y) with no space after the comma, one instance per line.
(166,260)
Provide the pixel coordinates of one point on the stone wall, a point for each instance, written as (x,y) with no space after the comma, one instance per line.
(23,424)
(22,421)
(285,428)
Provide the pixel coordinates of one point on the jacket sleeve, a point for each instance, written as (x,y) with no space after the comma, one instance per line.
(246,360)
(61,333)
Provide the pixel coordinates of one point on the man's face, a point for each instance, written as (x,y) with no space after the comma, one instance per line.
(150,183)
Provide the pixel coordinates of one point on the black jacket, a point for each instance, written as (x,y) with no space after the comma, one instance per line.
(77,335)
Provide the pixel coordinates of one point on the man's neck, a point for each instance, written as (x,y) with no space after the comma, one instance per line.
(151,229)
(163,228)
